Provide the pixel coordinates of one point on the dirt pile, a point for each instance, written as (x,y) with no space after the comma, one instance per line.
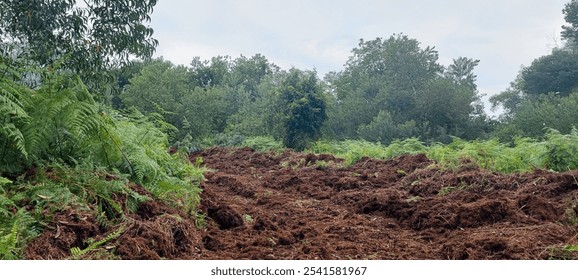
(154,231)
(303,206)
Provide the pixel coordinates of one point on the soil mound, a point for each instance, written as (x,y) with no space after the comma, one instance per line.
(154,231)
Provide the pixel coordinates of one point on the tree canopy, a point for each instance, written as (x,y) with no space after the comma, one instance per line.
(85,37)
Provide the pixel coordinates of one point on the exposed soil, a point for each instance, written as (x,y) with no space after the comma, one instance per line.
(154,231)
(303,206)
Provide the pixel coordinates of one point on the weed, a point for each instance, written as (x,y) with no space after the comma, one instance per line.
(450,189)
(413,198)
(248,218)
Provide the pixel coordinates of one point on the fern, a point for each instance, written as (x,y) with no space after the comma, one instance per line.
(15,233)
(77,253)
(63,115)
(13,100)
(6,204)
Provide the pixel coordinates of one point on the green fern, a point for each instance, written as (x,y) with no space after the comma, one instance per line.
(63,115)
(77,253)
(13,100)
(14,233)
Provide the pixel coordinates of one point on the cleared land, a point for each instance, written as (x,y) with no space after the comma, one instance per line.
(303,206)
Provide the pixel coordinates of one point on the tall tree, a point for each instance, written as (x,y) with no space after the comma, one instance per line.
(461,71)
(84,37)
(553,73)
(570,32)
(382,75)
(302,98)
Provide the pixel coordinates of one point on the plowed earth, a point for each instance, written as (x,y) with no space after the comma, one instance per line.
(303,206)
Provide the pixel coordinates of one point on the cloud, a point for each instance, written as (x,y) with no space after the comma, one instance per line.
(322,33)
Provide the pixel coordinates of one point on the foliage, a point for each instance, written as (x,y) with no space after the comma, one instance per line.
(553,73)
(136,146)
(304,108)
(570,32)
(383,129)
(263,143)
(393,89)
(49,122)
(166,89)
(77,253)
(524,155)
(532,116)
(90,37)
(14,232)
(78,151)
(354,150)
(13,100)
(562,150)
(558,152)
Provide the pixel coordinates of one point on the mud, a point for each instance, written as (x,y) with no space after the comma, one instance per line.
(303,206)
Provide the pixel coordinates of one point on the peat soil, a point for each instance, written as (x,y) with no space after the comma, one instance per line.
(304,206)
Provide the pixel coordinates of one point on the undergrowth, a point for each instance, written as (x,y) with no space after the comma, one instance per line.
(61,150)
(557,152)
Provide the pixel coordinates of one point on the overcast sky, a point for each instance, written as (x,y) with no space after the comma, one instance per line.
(307,34)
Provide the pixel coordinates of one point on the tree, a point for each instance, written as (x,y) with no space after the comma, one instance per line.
(461,71)
(394,88)
(445,109)
(535,115)
(209,73)
(84,38)
(301,97)
(570,32)
(381,75)
(556,72)
(383,129)
(247,73)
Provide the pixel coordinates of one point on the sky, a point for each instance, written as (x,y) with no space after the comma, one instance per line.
(320,34)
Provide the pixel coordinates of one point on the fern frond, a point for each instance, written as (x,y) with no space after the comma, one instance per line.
(77,253)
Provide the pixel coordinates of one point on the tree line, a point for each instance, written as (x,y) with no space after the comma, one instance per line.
(390,88)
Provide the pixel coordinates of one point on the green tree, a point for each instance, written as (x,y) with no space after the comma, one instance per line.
(158,88)
(556,72)
(302,98)
(461,71)
(166,89)
(533,116)
(383,129)
(248,73)
(381,75)
(445,109)
(394,88)
(209,73)
(83,38)
(570,32)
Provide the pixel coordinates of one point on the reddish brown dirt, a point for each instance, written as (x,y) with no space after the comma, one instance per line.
(304,206)
(154,231)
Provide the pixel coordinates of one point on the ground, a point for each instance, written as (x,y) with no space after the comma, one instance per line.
(287,205)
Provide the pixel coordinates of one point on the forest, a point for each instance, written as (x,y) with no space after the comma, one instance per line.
(103,145)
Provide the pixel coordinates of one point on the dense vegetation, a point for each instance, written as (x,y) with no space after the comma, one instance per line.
(60,148)
(80,122)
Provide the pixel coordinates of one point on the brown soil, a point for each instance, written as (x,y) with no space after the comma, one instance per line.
(303,206)
(154,231)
